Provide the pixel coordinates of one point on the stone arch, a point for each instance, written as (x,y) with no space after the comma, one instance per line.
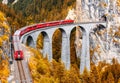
(84,55)
(45,41)
(57,44)
(29,41)
(64,46)
(23,39)
(73,57)
(76,44)
(79,38)
(61,39)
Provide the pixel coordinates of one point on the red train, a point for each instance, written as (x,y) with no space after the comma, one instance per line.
(18,55)
(18,52)
(43,25)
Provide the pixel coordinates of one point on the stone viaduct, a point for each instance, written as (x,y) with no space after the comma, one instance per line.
(31,38)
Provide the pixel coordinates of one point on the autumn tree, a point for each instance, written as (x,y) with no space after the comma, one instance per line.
(4,37)
(95,74)
(57,44)
(110,78)
(118,80)
(71,76)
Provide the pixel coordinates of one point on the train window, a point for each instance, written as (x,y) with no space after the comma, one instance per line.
(19,52)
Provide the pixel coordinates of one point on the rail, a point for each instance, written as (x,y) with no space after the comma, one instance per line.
(21,74)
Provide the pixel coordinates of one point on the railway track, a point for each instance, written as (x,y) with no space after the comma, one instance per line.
(22,74)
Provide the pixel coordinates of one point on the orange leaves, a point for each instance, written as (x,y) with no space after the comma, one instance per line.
(119,80)
(4,71)
(4,28)
(40,68)
(5,37)
(2,18)
(118,2)
(3,23)
(44,72)
(110,78)
(1,41)
(4,67)
(33,63)
(40,42)
(71,76)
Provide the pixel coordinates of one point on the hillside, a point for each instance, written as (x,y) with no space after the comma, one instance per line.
(4,48)
(43,10)
(26,12)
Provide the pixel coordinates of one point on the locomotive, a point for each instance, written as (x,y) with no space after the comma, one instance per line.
(18,53)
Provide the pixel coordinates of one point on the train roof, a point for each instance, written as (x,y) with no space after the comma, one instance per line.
(37,24)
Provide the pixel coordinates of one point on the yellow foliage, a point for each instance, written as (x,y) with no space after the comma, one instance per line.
(1,41)
(44,72)
(40,41)
(3,23)
(110,78)
(7,29)
(4,67)
(47,80)
(4,81)
(118,2)
(33,63)
(71,76)
(4,71)
(119,80)
(5,37)
(39,67)
(2,18)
